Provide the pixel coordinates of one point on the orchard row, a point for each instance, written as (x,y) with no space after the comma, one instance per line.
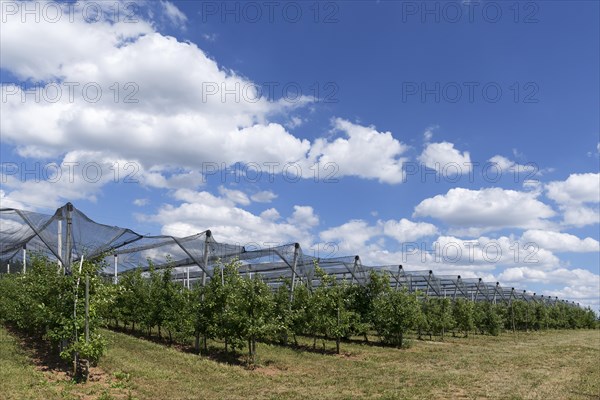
(239,311)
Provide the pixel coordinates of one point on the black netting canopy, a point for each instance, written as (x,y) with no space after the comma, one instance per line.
(69,235)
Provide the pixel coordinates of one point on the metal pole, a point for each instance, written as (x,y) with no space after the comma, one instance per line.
(398,277)
(294,265)
(116,277)
(456,287)
(477,291)
(76,339)
(205,260)
(187,270)
(354,269)
(59,244)
(512,311)
(8,268)
(24,258)
(428,282)
(69,248)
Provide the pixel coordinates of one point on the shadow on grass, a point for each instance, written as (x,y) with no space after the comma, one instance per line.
(218,354)
(212,353)
(44,356)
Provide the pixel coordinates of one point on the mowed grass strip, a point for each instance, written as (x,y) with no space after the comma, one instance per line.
(540,365)
(22,377)
(18,376)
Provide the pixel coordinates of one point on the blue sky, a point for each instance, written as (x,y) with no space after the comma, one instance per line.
(432,125)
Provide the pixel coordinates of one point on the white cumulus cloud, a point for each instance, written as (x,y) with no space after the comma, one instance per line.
(444,158)
(486,209)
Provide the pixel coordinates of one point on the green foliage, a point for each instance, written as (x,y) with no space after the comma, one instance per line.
(132,298)
(463,314)
(203,312)
(255,311)
(394,313)
(489,318)
(241,311)
(361,299)
(330,309)
(541,317)
(523,313)
(42,303)
(282,313)
(439,315)
(224,290)
(302,312)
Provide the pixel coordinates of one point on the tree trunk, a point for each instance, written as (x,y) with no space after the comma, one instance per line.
(250,355)
(337,345)
(197,343)
(205,344)
(252,347)
(401,339)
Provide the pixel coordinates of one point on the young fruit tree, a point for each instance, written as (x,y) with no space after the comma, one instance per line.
(395,313)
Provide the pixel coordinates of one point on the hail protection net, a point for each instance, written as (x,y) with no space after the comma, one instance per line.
(69,234)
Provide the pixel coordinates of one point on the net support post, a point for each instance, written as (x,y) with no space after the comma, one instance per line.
(294,265)
(116,271)
(59,243)
(24,258)
(205,258)
(69,239)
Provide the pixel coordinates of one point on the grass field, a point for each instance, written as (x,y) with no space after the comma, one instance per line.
(548,365)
